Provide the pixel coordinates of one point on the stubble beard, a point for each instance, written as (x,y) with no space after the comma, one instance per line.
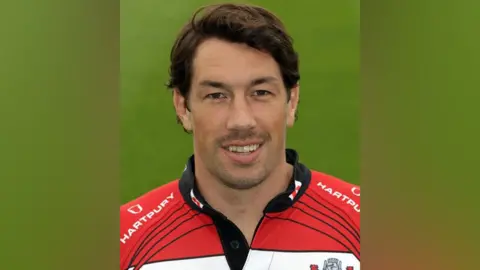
(227,178)
(236,182)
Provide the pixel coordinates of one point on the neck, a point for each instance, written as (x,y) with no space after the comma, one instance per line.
(243,207)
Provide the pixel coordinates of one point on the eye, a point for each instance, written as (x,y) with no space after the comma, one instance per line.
(216,96)
(261,93)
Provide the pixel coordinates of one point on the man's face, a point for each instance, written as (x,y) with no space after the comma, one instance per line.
(238,113)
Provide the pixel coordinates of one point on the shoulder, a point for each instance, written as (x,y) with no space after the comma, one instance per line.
(336,193)
(140,214)
(149,200)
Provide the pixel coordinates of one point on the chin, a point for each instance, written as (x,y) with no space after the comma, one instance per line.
(242,184)
(243,180)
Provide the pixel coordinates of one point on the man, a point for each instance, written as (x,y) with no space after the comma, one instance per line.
(243,201)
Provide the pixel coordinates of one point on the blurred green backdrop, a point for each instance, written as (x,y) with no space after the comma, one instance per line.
(154,148)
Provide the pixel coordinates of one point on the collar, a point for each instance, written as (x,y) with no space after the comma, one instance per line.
(299,183)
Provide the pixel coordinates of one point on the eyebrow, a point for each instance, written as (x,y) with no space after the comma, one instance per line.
(262,80)
(221,85)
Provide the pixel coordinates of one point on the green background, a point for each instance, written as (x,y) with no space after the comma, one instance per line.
(154,147)
(419,122)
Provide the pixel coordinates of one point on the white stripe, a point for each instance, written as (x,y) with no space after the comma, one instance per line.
(261,260)
(208,263)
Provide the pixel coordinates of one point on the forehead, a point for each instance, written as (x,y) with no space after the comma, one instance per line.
(233,63)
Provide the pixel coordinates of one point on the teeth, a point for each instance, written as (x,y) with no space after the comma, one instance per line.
(243,149)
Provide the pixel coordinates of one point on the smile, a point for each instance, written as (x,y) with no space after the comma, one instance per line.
(245,154)
(243,149)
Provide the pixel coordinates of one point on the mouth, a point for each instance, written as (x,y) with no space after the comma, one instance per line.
(243,149)
(244,154)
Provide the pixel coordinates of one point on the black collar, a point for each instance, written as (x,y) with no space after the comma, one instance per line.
(298,185)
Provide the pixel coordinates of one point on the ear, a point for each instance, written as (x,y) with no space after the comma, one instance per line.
(292,105)
(183,114)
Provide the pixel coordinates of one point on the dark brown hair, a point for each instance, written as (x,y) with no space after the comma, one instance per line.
(237,23)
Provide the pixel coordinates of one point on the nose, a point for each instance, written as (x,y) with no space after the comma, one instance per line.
(240,115)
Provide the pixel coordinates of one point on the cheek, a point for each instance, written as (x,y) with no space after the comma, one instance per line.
(207,126)
(272,116)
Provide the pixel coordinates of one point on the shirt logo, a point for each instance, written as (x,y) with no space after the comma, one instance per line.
(356,191)
(294,194)
(344,198)
(146,217)
(332,264)
(195,200)
(136,209)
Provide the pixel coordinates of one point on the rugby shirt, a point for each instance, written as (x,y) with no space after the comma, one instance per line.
(313,225)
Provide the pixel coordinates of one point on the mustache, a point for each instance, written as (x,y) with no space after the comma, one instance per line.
(243,135)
